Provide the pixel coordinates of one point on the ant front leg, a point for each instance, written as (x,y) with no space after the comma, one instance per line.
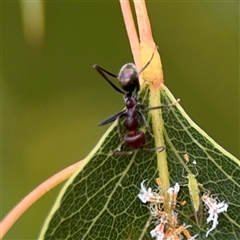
(101,71)
(160,149)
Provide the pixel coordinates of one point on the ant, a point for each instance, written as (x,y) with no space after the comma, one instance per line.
(129,80)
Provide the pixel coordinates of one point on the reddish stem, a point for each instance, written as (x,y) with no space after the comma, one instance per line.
(33,196)
(144,25)
(131,32)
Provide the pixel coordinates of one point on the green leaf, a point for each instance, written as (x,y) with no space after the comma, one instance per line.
(100,201)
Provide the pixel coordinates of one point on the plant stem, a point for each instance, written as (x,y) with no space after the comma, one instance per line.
(154,76)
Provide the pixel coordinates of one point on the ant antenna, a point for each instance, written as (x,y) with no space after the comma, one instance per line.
(156,47)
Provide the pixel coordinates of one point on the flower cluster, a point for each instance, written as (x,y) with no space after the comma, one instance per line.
(167,226)
(148,195)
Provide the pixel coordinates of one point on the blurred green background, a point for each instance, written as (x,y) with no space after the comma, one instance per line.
(52,98)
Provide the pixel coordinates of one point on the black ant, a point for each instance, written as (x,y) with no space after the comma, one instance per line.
(129,80)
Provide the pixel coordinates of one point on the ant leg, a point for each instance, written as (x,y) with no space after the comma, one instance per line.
(144,108)
(143,119)
(161,148)
(141,106)
(118,150)
(112,118)
(162,106)
(145,124)
(101,72)
(122,152)
(98,68)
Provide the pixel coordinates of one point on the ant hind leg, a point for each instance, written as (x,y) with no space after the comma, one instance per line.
(161,148)
(122,152)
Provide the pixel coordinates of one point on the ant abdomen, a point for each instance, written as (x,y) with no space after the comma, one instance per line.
(135,140)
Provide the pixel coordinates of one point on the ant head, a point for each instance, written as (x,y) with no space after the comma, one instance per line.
(128,78)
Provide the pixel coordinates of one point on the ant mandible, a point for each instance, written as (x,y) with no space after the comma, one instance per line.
(129,80)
